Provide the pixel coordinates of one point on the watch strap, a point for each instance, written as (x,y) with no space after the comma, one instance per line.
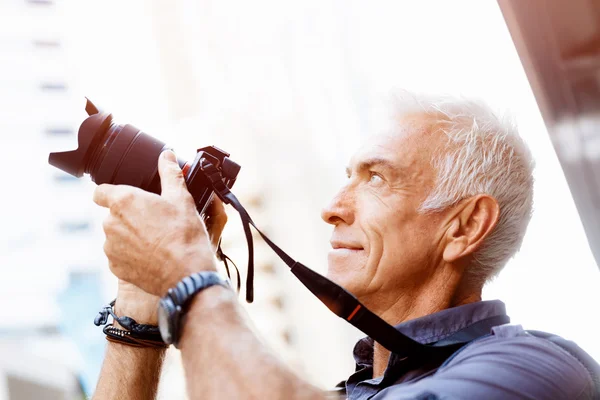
(177,299)
(184,291)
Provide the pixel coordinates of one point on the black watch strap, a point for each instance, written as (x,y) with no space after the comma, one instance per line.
(174,303)
(189,286)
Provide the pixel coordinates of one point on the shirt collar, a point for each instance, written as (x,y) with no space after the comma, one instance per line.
(434,327)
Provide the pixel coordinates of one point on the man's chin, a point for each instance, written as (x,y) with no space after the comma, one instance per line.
(342,278)
(347,269)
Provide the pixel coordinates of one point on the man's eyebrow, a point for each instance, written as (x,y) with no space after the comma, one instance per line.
(372,162)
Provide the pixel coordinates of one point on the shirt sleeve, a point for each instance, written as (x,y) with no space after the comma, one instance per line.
(521,367)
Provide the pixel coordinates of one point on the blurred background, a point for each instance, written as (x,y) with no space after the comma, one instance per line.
(290,89)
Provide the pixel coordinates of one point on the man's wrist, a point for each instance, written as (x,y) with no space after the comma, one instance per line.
(188,269)
(213,302)
(140,311)
(132,351)
(211,299)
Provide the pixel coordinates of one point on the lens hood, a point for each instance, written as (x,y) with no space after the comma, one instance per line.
(91,132)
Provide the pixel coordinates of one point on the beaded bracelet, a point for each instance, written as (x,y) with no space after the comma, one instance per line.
(116,335)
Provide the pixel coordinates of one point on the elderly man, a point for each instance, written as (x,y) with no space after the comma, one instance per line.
(432,209)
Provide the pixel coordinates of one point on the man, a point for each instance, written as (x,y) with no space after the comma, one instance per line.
(432,209)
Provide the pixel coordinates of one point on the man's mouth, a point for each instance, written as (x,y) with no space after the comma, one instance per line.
(336,245)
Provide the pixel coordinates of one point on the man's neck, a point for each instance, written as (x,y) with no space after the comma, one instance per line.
(418,305)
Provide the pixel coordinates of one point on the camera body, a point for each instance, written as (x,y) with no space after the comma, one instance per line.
(124,155)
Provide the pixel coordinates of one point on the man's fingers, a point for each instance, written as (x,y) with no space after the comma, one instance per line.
(108,196)
(104,195)
(215,214)
(215,219)
(172,181)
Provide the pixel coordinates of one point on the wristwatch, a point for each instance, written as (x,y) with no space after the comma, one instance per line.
(172,307)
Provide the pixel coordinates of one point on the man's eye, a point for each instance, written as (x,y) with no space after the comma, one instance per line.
(375,178)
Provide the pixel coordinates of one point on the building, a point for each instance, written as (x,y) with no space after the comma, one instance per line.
(50,268)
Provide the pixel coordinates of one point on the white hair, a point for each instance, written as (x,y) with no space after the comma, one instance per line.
(484,154)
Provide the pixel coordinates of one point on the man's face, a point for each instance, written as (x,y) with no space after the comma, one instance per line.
(380,242)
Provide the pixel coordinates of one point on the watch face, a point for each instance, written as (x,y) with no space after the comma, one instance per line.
(164,323)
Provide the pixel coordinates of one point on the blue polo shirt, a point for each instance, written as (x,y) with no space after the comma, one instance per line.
(506,362)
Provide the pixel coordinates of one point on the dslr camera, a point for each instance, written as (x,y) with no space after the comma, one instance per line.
(123,154)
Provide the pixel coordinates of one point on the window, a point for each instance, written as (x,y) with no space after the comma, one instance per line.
(70,227)
(46,43)
(41,2)
(53,86)
(60,131)
(63,177)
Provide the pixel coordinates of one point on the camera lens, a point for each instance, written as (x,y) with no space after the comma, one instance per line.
(127,156)
(124,155)
(113,153)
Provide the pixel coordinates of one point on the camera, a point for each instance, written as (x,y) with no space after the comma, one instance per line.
(124,155)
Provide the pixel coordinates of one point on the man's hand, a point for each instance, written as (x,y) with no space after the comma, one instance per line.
(155,241)
(141,306)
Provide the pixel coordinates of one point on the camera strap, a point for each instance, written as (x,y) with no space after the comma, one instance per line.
(337,299)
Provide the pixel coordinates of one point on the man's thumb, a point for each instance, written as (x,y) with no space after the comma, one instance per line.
(171,177)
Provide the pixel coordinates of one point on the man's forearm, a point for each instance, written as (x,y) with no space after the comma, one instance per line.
(223,358)
(129,373)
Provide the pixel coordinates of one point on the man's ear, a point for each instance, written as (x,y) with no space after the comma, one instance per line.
(473,221)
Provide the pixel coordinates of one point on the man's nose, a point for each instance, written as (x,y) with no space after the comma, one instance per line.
(339,210)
